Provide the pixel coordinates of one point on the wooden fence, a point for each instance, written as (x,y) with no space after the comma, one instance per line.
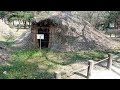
(90,66)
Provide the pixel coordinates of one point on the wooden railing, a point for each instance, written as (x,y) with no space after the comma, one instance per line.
(59,75)
(90,67)
(91,64)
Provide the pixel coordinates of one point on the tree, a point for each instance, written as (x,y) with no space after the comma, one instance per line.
(96,18)
(24,16)
(3,14)
(111,17)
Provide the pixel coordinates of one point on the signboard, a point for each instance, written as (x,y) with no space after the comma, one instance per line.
(40,36)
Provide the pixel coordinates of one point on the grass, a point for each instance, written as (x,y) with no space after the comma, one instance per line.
(40,64)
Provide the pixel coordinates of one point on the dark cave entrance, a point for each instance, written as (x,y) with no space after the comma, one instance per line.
(45,41)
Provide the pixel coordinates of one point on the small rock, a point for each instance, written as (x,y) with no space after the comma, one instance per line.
(5,72)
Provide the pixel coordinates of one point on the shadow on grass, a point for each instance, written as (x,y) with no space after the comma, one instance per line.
(5,43)
(44,54)
(23,54)
(24,70)
(73,57)
(83,57)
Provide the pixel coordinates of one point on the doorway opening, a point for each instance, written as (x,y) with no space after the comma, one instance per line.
(45,41)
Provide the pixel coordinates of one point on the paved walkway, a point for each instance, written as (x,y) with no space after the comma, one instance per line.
(100,71)
(98,74)
(106,74)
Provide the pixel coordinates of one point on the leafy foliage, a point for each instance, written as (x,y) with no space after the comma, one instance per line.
(111,17)
(24,16)
(2,14)
(20,15)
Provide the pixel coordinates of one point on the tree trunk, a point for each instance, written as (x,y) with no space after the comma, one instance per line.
(13,23)
(29,23)
(24,22)
(2,19)
(18,25)
(90,16)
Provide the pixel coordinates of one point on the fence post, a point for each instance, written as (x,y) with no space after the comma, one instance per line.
(57,75)
(90,68)
(109,61)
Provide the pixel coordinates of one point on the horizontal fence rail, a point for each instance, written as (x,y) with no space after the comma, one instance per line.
(91,64)
(68,73)
(89,67)
(100,61)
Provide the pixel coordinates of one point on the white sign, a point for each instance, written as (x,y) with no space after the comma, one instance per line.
(40,36)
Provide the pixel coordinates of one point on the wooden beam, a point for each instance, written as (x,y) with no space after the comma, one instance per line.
(90,68)
(109,62)
(57,75)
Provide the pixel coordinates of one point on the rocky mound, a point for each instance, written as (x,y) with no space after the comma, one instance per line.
(73,34)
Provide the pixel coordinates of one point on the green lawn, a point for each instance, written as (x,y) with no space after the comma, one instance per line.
(40,64)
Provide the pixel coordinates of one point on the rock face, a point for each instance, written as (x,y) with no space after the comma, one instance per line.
(4,29)
(24,41)
(76,34)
